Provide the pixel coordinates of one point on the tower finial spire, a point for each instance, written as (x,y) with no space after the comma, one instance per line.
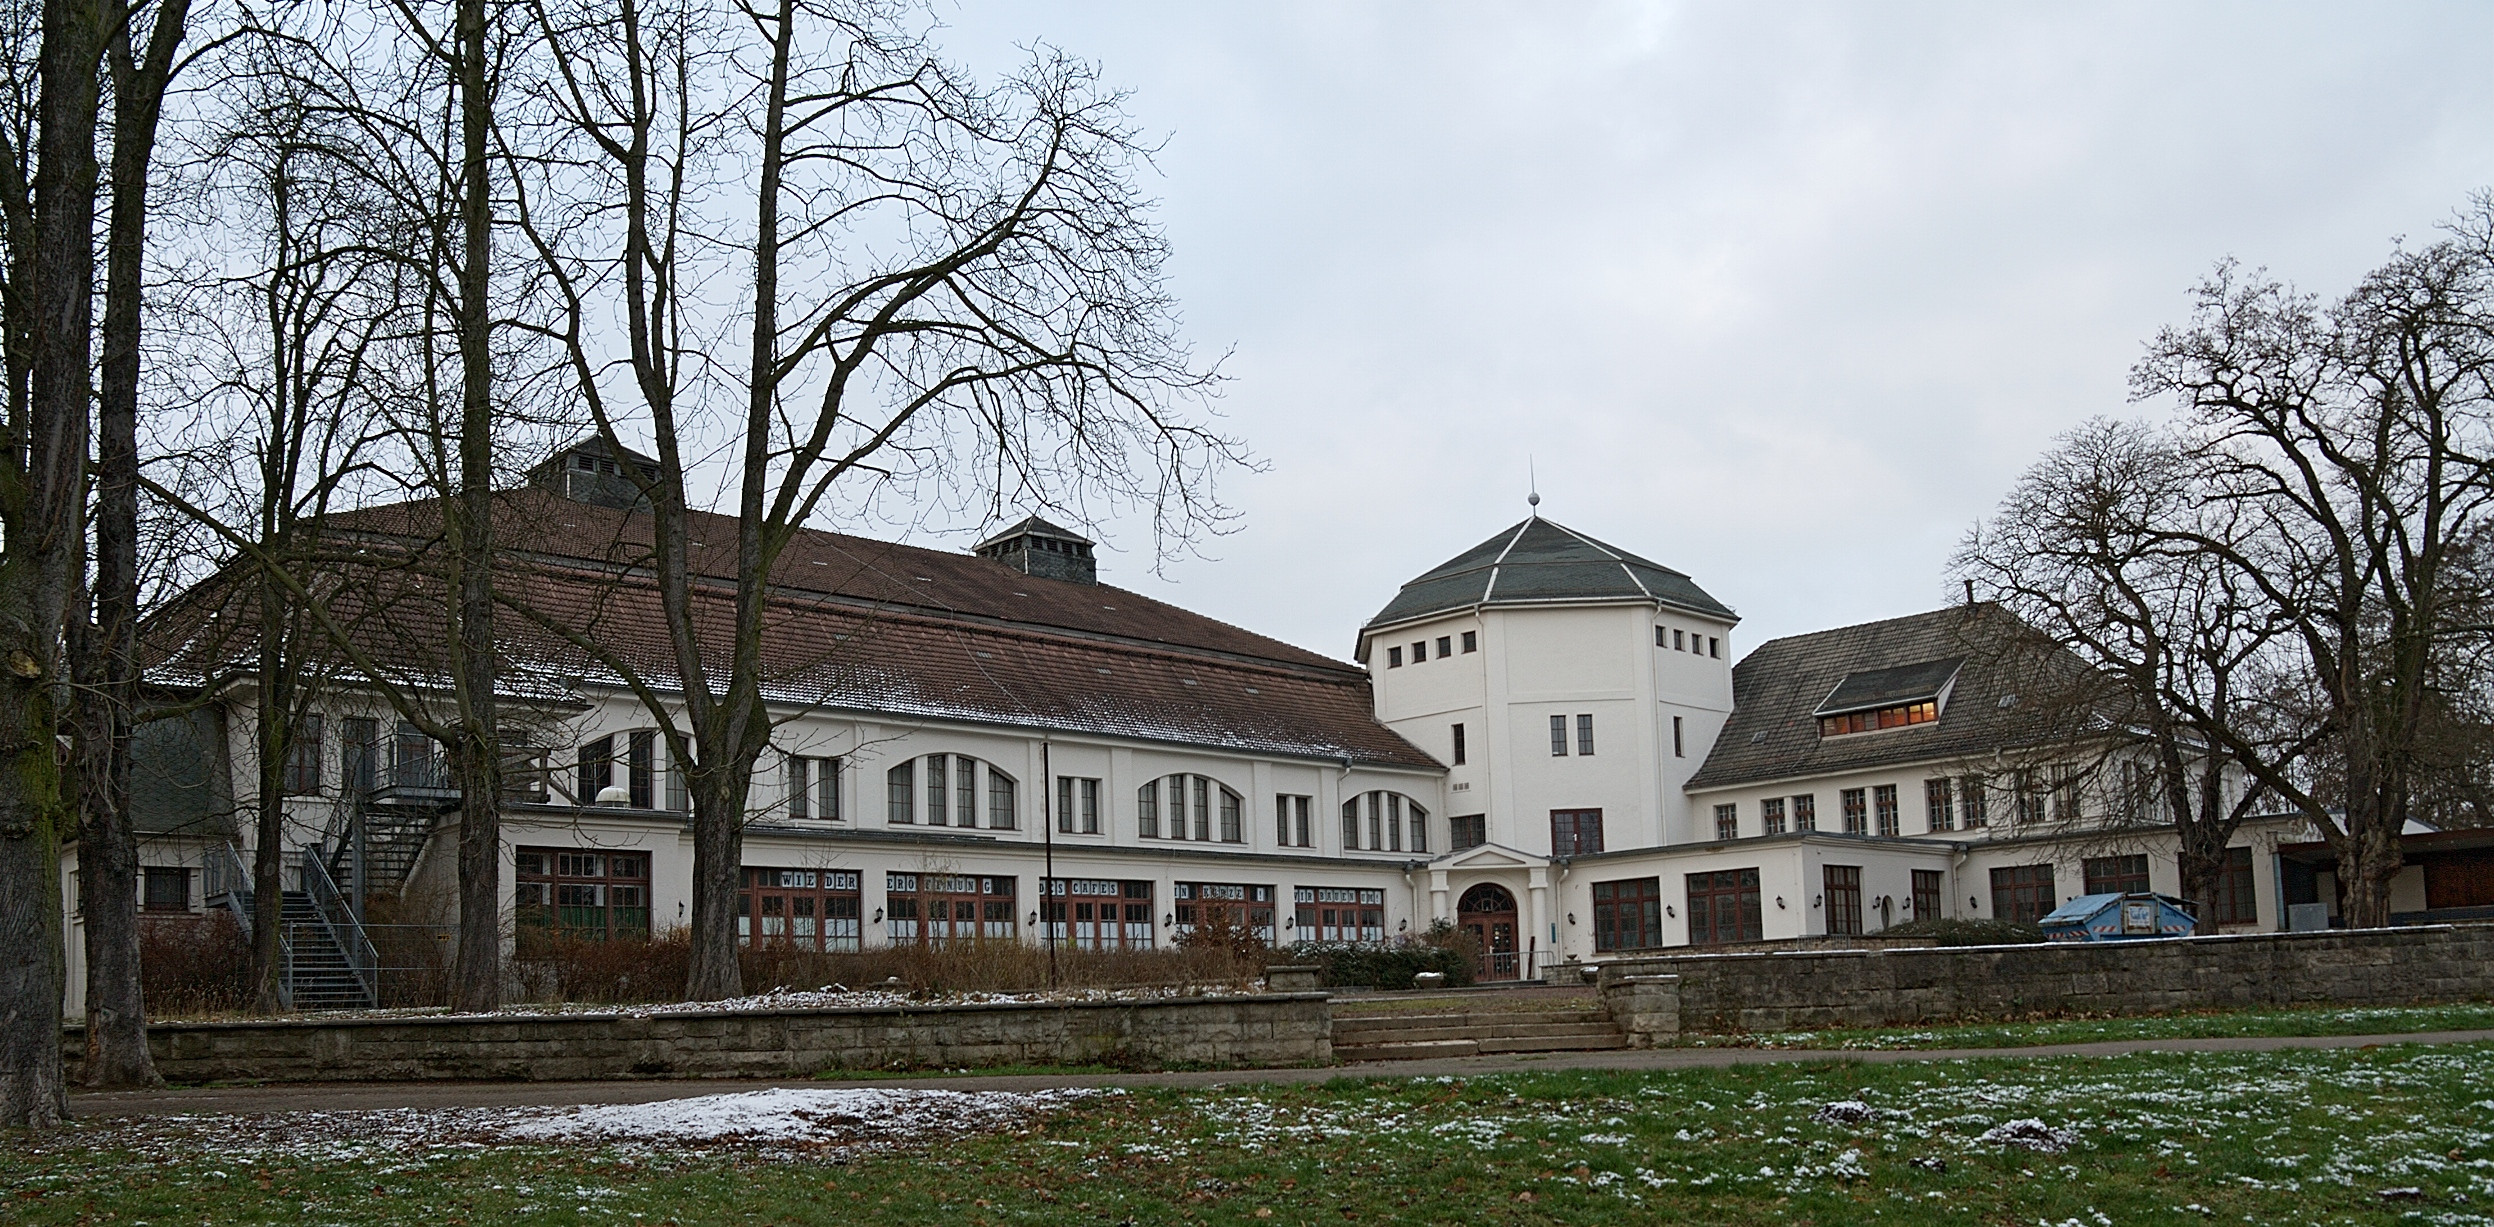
(1532,487)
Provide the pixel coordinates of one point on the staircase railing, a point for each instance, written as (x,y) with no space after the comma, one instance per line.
(340,923)
(228,883)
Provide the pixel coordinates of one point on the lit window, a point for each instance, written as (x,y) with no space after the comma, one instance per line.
(1881,718)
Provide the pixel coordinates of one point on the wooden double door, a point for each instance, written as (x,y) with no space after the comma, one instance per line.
(1487,912)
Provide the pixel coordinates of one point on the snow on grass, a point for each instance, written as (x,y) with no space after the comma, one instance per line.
(790,1114)
(828,997)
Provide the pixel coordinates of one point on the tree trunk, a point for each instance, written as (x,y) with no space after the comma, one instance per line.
(477,757)
(117,1053)
(714,973)
(272,731)
(44,505)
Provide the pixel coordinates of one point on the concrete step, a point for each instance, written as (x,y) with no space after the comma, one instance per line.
(1555,1043)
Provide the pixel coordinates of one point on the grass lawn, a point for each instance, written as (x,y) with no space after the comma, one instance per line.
(2388,1135)
(2328,1020)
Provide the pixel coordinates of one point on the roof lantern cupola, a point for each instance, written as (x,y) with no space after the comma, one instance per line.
(1541,562)
(591,472)
(1036,547)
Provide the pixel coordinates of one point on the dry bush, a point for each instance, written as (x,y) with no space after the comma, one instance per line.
(193,965)
(558,968)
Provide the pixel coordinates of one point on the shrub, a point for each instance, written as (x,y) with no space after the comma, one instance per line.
(193,965)
(1389,965)
(1969,932)
(559,968)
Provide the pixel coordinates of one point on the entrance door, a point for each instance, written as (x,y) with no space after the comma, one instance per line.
(1487,912)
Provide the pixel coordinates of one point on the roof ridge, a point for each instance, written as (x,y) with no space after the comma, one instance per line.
(1520,530)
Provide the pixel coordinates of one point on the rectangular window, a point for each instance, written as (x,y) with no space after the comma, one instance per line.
(1420,651)
(1394,658)
(1728,821)
(1351,825)
(1939,807)
(901,792)
(1420,828)
(1004,802)
(1467,831)
(596,769)
(1844,898)
(1628,915)
(1584,734)
(1679,746)
(578,893)
(1806,812)
(1300,810)
(942,907)
(1558,737)
(1446,645)
(1970,803)
(2022,893)
(938,784)
(1394,821)
(1574,832)
(1098,913)
(1147,810)
(2114,875)
(1856,804)
(1927,905)
(1221,904)
(2027,803)
(1203,809)
(1459,745)
(1472,641)
(1724,908)
(1714,647)
(165,889)
(1290,820)
(303,755)
(2235,903)
(1884,811)
(1340,914)
(1376,823)
(1661,639)
(1077,805)
(1675,641)
(1771,816)
(2065,798)
(1233,830)
(810,909)
(965,791)
(359,747)
(641,769)
(679,792)
(800,787)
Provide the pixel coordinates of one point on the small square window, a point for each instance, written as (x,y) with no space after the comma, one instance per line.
(1420,651)
(1472,641)
(1394,658)
(1446,646)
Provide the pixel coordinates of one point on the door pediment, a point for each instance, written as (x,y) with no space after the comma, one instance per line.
(1492,856)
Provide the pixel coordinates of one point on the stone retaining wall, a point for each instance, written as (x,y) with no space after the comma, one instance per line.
(1260,1030)
(1906,987)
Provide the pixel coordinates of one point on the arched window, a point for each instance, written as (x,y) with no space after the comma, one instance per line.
(1384,822)
(1189,807)
(952,792)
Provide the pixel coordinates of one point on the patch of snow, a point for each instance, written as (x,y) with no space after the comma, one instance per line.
(791,1114)
(2031,1134)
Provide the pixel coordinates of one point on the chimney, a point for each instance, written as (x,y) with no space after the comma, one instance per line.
(1036,547)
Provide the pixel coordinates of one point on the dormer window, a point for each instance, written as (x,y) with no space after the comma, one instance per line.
(1868,700)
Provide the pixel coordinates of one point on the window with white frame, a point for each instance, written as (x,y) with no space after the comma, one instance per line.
(1381,821)
(1077,805)
(1290,820)
(813,788)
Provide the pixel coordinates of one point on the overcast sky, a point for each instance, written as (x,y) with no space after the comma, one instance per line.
(1780,296)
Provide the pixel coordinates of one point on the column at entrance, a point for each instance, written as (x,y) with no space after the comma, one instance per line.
(1438,909)
(1537,881)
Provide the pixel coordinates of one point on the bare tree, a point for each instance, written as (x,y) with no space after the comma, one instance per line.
(103,630)
(2351,446)
(2097,551)
(947,281)
(50,268)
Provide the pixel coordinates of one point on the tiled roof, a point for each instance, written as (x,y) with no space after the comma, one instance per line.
(1538,562)
(853,624)
(1778,689)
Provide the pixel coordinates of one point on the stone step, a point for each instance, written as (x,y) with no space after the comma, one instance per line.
(1407,1052)
(1413,1035)
(1555,1043)
(1406,1022)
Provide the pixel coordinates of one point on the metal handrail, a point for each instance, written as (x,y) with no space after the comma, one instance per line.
(340,921)
(229,877)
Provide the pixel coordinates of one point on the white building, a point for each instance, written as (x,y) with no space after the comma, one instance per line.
(1549,743)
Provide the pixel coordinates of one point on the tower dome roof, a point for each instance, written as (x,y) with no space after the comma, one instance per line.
(1539,562)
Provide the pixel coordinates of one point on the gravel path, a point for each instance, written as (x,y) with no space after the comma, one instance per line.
(349,1096)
